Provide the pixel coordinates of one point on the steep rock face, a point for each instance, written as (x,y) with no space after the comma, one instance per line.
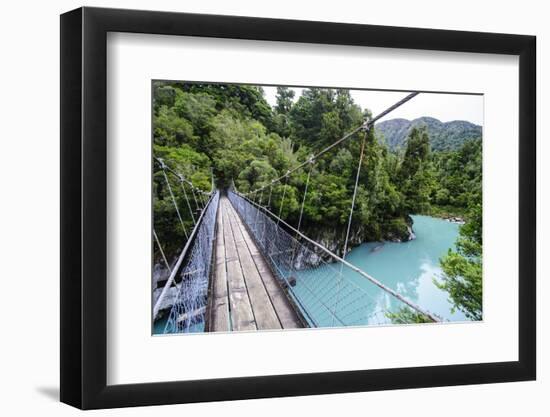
(443,136)
(334,238)
(160,275)
(401,236)
(168,301)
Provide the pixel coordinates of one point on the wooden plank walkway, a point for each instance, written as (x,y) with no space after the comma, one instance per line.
(245,295)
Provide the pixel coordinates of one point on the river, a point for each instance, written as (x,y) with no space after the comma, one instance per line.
(408,268)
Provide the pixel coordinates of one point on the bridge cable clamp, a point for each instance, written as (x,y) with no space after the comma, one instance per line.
(366,125)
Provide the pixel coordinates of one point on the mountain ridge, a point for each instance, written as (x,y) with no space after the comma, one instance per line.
(443,135)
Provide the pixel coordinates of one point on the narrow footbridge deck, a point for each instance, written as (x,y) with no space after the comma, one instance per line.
(245,295)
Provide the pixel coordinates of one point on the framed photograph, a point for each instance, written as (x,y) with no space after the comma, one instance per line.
(257,208)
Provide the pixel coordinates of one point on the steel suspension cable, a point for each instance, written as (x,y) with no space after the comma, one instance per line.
(366,125)
(161,250)
(350,218)
(212,180)
(175,204)
(164,257)
(260,203)
(301,212)
(202,197)
(283,198)
(354,268)
(183,253)
(183,180)
(267,207)
(305,193)
(361,156)
(188,203)
(196,202)
(269,198)
(163,165)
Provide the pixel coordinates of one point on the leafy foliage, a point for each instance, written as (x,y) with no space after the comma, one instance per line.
(463,268)
(232,133)
(406,315)
(416,177)
(458,176)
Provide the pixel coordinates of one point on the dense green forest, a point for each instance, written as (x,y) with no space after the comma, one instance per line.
(232,133)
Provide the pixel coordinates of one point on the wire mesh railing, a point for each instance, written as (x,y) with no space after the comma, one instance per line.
(188,313)
(328,291)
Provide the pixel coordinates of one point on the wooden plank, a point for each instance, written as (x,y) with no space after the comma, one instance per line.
(286,312)
(279,299)
(245,293)
(282,305)
(230,249)
(264,312)
(242,317)
(219,302)
(250,243)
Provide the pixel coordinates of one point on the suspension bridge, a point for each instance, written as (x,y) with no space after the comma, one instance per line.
(244,268)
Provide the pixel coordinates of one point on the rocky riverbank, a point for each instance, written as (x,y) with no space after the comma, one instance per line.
(160,274)
(449,213)
(455,219)
(333,239)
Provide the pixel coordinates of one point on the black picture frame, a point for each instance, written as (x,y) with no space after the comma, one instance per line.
(84,207)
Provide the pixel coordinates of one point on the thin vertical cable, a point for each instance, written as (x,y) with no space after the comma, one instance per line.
(175,204)
(282,199)
(187,200)
(349,220)
(161,251)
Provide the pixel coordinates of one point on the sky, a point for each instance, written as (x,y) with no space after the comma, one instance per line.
(445,107)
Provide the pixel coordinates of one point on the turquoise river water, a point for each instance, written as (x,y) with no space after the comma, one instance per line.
(409,268)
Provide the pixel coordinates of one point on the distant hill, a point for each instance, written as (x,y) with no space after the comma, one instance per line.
(443,136)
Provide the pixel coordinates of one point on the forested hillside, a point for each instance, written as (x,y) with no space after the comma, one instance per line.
(232,130)
(443,136)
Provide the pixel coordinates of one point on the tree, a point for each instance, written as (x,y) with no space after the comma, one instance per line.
(163,95)
(416,175)
(320,116)
(417,151)
(258,174)
(284,98)
(195,167)
(406,315)
(232,129)
(463,268)
(198,109)
(281,118)
(171,130)
(458,177)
